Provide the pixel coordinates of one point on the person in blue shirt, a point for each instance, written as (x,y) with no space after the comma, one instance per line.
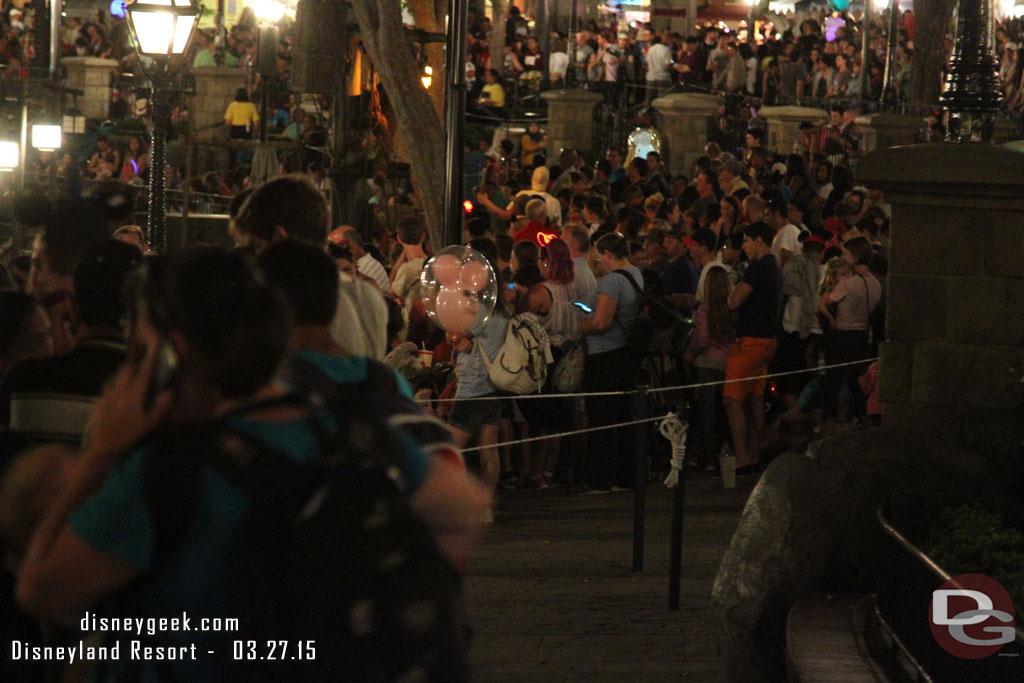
(442,492)
(206,341)
(610,366)
(679,281)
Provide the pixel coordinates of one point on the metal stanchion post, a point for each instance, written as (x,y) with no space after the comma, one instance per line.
(675,557)
(640,478)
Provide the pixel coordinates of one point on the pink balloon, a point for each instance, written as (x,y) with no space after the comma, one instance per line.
(446,270)
(474,276)
(456,309)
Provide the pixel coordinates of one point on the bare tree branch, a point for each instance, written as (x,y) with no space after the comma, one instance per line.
(380,25)
(499,12)
(933,19)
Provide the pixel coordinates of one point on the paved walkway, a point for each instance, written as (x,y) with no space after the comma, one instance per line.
(552,596)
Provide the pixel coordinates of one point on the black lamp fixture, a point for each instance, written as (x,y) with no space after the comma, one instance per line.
(161,30)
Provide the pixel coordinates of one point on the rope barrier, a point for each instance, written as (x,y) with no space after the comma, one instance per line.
(563,434)
(656,390)
(768,376)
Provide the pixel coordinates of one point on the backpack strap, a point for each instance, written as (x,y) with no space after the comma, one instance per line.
(172,467)
(379,377)
(632,281)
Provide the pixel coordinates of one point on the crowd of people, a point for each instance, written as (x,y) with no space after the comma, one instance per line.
(116,359)
(806,58)
(750,262)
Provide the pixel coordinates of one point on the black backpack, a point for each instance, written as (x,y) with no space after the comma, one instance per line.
(329,552)
(380,392)
(657,321)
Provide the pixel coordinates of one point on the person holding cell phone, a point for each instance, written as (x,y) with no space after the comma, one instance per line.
(610,366)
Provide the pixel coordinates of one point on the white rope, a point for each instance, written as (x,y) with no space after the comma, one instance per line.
(768,376)
(572,433)
(649,391)
(674,429)
(526,396)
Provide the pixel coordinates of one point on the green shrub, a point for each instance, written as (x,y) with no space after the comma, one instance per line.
(973,539)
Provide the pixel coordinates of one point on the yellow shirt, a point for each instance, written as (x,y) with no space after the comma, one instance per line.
(495,93)
(241,114)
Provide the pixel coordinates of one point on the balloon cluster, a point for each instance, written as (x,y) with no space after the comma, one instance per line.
(459,288)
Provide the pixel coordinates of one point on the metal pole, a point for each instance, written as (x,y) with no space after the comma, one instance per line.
(263,83)
(23,142)
(218,41)
(865,51)
(56,7)
(640,479)
(570,75)
(889,87)
(750,22)
(455,114)
(156,226)
(675,556)
(544,25)
(972,94)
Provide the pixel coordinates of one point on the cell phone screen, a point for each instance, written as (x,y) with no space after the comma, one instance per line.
(163,373)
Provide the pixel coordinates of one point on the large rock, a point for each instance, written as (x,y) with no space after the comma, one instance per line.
(809,526)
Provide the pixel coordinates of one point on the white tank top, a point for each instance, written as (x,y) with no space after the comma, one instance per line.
(561,322)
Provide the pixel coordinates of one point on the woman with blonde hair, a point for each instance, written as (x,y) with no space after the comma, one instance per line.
(652,204)
(713,335)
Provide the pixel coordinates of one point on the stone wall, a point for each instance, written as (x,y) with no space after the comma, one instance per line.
(215,88)
(784,125)
(92,76)
(686,122)
(570,120)
(955,316)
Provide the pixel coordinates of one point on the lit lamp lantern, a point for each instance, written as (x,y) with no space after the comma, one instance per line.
(74,122)
(45,137)
(268,10)
(9,154)
(162,28)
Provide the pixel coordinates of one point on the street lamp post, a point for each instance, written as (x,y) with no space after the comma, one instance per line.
(972,94)
(455,115)
(269,12)
(161,30)
(889,78)
(865,50)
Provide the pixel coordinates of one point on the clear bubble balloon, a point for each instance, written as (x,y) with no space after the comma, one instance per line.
(446,268)
(475,276)
(459,289)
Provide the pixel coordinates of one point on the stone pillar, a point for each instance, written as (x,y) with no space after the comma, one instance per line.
(955,308)
(92,76)
(686,123)
(784,125)
(668,15)
(888,130)
(570,120)
(215,88)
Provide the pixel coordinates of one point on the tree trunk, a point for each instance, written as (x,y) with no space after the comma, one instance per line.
(499,11)
(933,22)
(429,15)
(380,26)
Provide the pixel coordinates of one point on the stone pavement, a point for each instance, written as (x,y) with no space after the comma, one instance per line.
(552,596)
